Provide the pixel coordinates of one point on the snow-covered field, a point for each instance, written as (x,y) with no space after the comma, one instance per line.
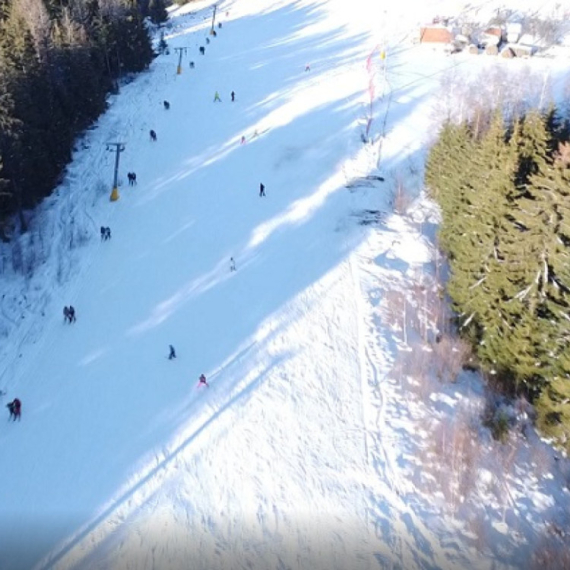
(314,445)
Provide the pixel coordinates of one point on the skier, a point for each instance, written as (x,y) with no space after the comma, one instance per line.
(103,231)
(261,190)
(71,316)
(10,406)
(66,316)
(203,381)
(242,140)
(217,97)
(152,136)
(232,264)
(172,352)
(107,233)
(233,96)
(15,408)
(307,67)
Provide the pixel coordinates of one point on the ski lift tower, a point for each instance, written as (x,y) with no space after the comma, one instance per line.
(117,148)
(180,51)
(213,20)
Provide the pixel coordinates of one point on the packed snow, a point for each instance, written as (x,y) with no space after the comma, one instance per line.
(318,443)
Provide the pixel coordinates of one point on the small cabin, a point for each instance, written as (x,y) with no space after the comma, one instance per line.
(514,30)
(491,36)
(435,34)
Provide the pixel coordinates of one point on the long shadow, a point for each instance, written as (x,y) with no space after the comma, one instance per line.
(162,465)
(270,89)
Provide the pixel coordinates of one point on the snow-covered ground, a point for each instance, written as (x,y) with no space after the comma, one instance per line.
(315,445)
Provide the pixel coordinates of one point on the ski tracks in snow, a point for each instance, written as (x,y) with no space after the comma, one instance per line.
(268,474)
(404,540)
(69,226)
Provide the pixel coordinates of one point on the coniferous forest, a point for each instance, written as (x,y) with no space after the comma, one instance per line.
(58,62)
(504,192)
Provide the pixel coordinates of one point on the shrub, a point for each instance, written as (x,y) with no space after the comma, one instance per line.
(497,421)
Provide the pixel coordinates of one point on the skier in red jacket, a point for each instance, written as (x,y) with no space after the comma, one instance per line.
(17,409)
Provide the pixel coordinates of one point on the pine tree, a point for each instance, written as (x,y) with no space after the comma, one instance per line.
(553,411)
(535,145)
(57,63)
(157,11)
(546,215)
(447,176)
(506,228)
(478,278)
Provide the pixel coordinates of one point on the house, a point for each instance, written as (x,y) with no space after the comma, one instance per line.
(528,40)
(521,50)
(435,34)
(496,31)
(491,36)
(514,30)
(461,39)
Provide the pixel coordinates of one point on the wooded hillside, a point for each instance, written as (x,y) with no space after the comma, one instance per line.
(58,61)
(504,192)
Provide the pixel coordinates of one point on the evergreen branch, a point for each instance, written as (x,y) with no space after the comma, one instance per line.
(478,283)
(566,316)
(469,319)
(522,294)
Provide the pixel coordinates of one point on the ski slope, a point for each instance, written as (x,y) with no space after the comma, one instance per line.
(294,456)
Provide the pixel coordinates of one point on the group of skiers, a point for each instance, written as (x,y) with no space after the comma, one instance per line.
(69,314)
(15,406)
(218,99)
(15,409)
(172,354)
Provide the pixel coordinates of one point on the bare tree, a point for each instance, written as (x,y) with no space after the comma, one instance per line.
(36,16)
(401,198)
(450,353)
(394,309)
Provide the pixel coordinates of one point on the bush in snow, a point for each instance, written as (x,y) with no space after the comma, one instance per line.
(496,418)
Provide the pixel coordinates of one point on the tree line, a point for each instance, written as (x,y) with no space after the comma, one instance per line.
(59,59)
(504,191)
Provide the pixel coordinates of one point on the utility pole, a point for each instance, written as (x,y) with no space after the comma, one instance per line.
(213,19)
(180,51)
(118,149)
